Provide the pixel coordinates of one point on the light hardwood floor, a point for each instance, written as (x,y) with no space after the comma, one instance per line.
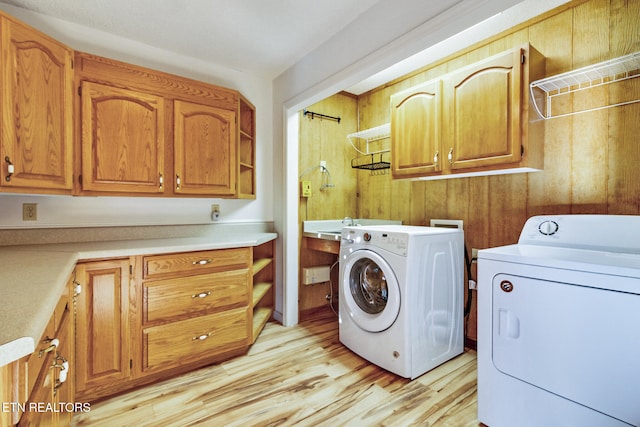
(300,376)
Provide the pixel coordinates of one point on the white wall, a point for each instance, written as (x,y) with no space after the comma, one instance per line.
(66,211)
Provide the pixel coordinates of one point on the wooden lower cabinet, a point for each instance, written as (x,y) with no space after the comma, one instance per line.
(144,318)
(197,309)
(43,383)
(103,326)
(262,290)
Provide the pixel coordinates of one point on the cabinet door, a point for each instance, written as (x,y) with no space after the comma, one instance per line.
(415,131)
(43,395)
(102,326)
(482,105)
(205,149)
(122,140)
(64,386)
(37,129)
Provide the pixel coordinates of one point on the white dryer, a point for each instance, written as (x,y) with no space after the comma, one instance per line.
(401,295)
(558,324)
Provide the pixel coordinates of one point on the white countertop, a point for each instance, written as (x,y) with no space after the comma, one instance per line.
(33,277)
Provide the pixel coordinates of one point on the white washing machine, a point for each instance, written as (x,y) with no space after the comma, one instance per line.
(559,324)
(401,295)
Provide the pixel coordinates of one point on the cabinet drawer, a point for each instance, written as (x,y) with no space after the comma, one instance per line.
(195,262)
(181,342)
(169,298)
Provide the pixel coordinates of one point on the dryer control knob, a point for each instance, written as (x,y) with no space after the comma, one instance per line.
(366,237)
(548,228)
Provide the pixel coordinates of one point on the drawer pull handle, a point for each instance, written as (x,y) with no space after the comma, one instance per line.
(201,295)
(10,169)
(202,262)
(54,344)
(201,337)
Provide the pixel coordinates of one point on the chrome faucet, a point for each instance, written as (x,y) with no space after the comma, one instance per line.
(347,221)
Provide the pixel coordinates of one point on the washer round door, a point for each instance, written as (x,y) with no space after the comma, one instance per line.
(370,291)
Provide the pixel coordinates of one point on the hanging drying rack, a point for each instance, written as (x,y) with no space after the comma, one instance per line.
(606,72)
(375,161)
(312,115)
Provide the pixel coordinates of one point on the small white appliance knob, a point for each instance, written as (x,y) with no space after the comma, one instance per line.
(548,228)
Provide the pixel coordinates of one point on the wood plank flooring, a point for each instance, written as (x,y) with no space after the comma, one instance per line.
(300,376)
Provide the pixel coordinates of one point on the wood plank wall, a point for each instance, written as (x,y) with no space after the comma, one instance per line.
(591,160)
(322,139)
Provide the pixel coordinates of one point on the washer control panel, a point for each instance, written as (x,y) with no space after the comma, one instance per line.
(396,243)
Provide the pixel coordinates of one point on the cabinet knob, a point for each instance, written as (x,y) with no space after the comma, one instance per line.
(178,182)
(201,337)
(436,158)
(202,262)
(201,295)
(161,181)
(10,169)
(450,155)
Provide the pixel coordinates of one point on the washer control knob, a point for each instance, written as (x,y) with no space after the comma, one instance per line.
(548,228)
(366,237)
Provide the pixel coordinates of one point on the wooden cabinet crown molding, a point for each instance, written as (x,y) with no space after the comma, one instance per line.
(118,73)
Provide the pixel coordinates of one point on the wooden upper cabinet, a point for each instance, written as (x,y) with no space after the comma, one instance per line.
(37,110)
(482,112)
(205,149)
(152,133)
(415,129)
(474,120)
(122,140)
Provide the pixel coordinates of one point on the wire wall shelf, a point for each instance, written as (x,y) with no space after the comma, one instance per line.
(374,161)
(606,72)
(373,134)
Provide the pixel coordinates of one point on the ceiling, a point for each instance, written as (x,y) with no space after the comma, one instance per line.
(258,36)
(265,37)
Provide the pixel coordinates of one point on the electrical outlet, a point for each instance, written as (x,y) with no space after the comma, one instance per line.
(306,189)
(29,211)
(323,164)
(474,254)
(215,212)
